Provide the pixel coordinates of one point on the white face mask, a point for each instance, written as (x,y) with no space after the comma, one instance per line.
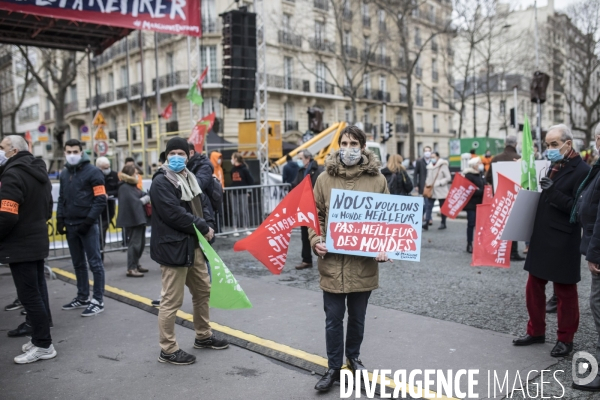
(73,159)
(3,158)
(350,156)
(106,172)
(480,168)
(219,162)
(427,154)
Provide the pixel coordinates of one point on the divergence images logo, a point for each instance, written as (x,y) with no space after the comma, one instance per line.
(582,368)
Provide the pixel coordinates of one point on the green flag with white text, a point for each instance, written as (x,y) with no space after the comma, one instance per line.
(528,180)
(225,291)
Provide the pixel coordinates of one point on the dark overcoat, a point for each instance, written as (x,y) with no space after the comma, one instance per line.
(589,217)
(554,245)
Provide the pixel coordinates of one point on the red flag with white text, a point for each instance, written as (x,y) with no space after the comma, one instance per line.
(269,243)
(488,194)
(481,256)
(459,195)
(200,130)
(501,206)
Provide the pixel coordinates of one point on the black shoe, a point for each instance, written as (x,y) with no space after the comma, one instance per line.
(516,257)
(211,343)
(552,305)
(425,227)
(529,340)
(76,303)
(22,330)
(354,364)
(155,303)
(442,226)
(327,381)
(180,357)
(561,349)
(15,305)
(593,386)
(469,247)
(23,312)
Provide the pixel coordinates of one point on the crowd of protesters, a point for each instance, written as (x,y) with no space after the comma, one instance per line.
(187,187)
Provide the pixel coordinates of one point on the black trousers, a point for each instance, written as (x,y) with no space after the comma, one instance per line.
(335,309)
(33,293)
(306,251)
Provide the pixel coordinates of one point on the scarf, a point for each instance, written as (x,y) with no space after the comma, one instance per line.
(189,187)
(590,176)
(557,166)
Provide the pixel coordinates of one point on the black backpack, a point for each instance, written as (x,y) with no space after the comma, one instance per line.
(399,183)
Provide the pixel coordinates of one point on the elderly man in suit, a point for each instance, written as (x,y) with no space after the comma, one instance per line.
(554,246)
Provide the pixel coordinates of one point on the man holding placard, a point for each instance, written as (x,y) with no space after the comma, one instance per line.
(345,278)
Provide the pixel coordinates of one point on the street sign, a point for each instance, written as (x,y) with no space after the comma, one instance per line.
(100,134)
(42,129)
(84,129)
(86,138)
(101,148)
(99,119)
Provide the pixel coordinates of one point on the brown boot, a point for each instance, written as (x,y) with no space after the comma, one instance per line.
(134,273)
(141,269)
(304,265)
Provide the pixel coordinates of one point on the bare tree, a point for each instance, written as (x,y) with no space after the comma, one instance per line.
(19,92)
(61,69)
(415,30)
(583,65)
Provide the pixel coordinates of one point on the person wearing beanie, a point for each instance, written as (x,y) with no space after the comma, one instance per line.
(177,212)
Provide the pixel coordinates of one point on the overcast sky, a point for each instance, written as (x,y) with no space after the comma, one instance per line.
(558,4)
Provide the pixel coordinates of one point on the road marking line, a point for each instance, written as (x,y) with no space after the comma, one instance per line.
(301,354)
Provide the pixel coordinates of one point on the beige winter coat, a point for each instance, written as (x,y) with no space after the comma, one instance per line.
(442,183)
(344,273)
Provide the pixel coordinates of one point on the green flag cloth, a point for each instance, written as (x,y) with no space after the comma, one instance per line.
(528,174)
(225,291)
(194,94)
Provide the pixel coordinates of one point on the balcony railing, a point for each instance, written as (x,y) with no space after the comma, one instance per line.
(289,39)
(385,61)
(558,105)
(210,26)
(366,94)
(419,71)
(324,87)
(116,50)
(172,79)
(350,51)
(322,45)
(434,76)
(101,98)
(347,15)
(366,21)
(403,98)
(452,131)
(136,90)
(321,4)
(421,130)
(290,125)
(401,128)
(72,106)
(420,101)
(381,95)
(114,135)
(287,83)
(436,103)
(368,127)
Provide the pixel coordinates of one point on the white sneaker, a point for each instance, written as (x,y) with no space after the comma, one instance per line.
(36,353)
(248,233)
(27,346)
(236,234)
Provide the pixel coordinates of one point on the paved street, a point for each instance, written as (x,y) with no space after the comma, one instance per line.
(439,313)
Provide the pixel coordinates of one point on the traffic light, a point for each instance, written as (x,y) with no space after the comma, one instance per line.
(387,134)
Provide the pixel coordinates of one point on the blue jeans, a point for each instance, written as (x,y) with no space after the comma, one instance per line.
(81,246)
(429,209)
(335,309)
(471,214)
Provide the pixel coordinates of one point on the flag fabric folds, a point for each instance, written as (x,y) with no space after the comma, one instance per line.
(168,111)
(194,94)
(269,243)
(225,291)
(459,195)
(528,174)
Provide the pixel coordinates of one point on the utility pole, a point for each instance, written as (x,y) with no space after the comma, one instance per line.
(474,105)
(538,131)
(515,89)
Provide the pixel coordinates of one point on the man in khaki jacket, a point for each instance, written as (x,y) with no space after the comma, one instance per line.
(345,278)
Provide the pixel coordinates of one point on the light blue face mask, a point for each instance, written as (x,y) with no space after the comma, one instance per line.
(176,163)
(554,154)
(300,163)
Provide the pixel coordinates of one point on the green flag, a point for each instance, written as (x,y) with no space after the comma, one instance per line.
(528,174)
(194,95)
(225,291)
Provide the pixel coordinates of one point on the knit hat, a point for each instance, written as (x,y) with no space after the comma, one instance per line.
(177,143)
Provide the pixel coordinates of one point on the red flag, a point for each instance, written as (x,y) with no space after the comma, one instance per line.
(481,256)
(459,195)
(502,203)
(487,194)
(168,111)
(270,241)
(201,79)
(200,130)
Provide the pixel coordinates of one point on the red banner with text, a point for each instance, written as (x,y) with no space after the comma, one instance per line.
(481,256)
(488,194)
(169,16)
(459,195)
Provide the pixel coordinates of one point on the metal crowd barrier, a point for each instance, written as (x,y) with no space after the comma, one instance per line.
(244,208)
